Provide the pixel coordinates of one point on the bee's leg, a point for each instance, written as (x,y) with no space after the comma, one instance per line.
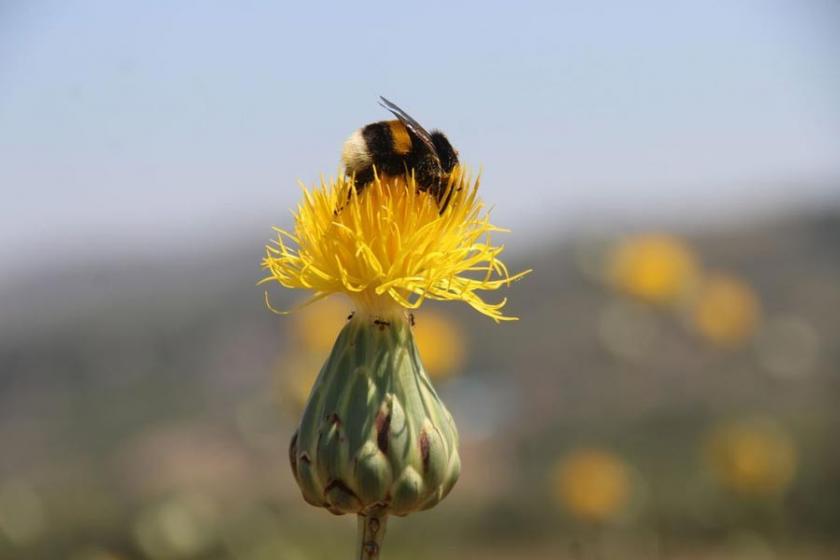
(443,197)
(360,180)
(427,179)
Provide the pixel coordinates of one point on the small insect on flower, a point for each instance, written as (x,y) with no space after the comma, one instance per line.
(398,147)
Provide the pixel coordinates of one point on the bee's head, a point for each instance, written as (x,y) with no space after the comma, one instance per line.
(446,153)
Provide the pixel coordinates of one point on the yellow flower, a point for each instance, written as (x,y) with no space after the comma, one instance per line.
(390,246)
(441,342)
(725,310)
(593,484)
(752,457)
(658,268)
(317,325)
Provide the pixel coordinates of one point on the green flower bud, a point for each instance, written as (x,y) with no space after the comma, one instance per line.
(374,435)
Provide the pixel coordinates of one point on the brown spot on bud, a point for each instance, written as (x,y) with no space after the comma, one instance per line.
(304,458)
(338,483)
(334,419)
(340,498)
(383,430)
(293,454)
(424,449)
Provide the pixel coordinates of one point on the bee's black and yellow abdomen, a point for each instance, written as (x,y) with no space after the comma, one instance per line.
(400,138)
(386,146)
(392,149)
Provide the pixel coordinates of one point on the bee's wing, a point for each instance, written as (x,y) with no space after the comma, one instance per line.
(411,124)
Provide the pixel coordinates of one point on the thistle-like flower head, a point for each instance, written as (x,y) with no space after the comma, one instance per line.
(391,245)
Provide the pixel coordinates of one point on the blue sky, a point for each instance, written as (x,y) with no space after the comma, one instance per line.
(160,124)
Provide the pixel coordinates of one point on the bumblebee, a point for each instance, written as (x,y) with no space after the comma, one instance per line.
(398,147)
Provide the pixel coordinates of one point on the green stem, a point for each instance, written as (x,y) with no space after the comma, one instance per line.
(371,534)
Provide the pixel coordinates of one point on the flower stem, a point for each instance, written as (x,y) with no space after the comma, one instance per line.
(371,531)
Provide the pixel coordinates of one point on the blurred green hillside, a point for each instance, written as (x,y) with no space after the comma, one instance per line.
(145,408)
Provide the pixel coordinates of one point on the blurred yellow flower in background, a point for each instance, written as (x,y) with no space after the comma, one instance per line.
(316,326)
(754,457)
(725,309)
(313,332)
(442,343)
(592,484)
(655,267)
